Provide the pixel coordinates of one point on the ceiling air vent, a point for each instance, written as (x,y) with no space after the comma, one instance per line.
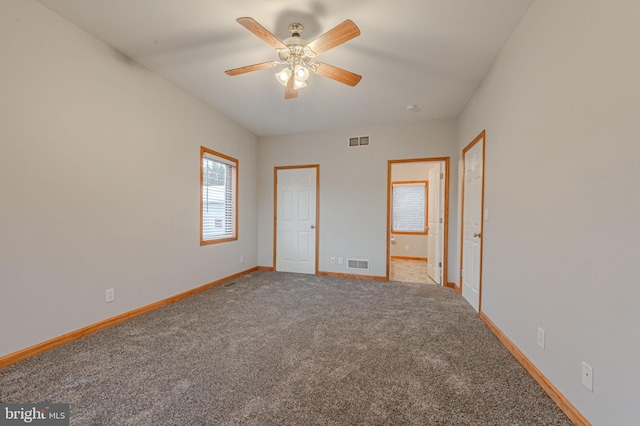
(359,141)
(357,264)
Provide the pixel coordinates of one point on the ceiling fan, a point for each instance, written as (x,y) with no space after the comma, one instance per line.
(298,55)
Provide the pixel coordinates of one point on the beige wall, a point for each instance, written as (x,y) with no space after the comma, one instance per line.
(353,186)
(561,109)
(99,181)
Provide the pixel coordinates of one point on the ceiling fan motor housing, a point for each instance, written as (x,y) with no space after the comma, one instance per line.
(296,53)
(296,29)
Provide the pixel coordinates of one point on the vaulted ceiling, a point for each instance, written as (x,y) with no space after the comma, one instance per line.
(427,53)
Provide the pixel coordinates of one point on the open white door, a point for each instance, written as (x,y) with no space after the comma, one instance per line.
(472,205)
(296,220)
(435,219)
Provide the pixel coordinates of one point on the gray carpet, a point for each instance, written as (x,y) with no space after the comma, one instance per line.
(288,349)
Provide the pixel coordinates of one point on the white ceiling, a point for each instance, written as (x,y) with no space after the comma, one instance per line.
(431,53)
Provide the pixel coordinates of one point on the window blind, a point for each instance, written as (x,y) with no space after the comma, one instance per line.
(218,198)
(409,207)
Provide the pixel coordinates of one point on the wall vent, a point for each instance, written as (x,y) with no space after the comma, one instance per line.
(359,141)
(357,264)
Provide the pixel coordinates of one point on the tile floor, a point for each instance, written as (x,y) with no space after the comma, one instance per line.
(413,271)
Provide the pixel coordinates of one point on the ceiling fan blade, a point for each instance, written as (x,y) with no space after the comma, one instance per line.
(339,34)
(253,26)
(335,73)
(250,68)
(289,92)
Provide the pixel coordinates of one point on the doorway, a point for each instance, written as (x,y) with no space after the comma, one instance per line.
(472,221)
(296,207)
(417,238)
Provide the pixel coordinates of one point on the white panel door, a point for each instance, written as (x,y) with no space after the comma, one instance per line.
(435,226)
(296,220)
(472,223)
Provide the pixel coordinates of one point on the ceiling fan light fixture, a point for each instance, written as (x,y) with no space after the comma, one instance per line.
(283,76)
(299,84)
(301,73)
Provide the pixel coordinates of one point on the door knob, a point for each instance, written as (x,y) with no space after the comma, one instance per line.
(477,234)
(313,226)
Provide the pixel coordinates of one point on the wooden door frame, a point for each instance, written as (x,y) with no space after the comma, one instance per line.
(275,210)
(445,254)
(480,137)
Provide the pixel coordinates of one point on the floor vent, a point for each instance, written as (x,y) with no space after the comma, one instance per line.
(230,284)
(357,264)
(359,141)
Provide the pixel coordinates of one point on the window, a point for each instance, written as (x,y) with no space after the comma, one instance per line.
(218,197)
(409,207)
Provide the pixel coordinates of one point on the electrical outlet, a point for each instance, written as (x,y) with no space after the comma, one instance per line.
(340,260)
(587,376)
(241,259)
(333,259)
(110,295)
(541,337)
(406,247)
